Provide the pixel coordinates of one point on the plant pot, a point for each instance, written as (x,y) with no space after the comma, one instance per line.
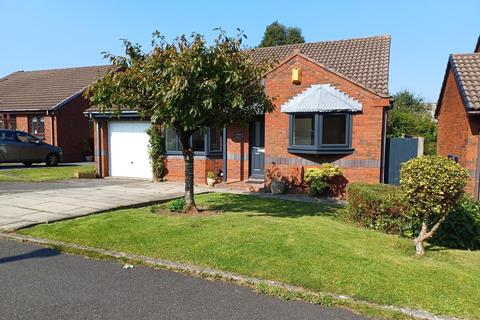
(89,158)
(211,182)
(277,187)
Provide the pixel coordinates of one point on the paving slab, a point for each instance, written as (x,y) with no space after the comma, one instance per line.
(63,200)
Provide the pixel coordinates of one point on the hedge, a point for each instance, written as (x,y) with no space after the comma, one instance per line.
(376,206)
(382,207)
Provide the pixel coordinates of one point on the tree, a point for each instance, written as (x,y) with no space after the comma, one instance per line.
(186,84)
(277,34)
(432,186)
(410,116)
(294,35)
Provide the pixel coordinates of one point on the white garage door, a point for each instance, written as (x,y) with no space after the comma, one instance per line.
(128,149)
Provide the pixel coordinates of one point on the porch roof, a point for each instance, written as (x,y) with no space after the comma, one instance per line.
(321,98)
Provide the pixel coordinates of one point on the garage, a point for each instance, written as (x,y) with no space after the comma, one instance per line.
(128,149)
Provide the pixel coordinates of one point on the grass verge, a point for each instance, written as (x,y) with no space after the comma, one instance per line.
(38,174)
(301,244)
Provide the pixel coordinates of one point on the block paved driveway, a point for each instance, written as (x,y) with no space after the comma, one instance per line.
(28,203)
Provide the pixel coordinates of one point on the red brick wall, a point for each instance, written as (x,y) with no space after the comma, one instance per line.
(457,132)
(72,129)
(238,151)
(202,165)
(21,122)
(364,164)
(101,152)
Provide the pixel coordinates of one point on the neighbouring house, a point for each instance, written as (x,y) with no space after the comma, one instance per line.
(458,114)
(49,105)
(331,99)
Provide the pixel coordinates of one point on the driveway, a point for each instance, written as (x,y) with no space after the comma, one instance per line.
(28,203)
(40,283)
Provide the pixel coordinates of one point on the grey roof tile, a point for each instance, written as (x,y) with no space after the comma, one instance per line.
(467,72)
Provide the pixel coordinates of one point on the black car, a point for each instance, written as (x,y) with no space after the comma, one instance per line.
(18,146)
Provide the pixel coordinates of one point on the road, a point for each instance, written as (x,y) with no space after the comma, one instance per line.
(40,283)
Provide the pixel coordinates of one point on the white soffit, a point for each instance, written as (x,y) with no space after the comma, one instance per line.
(321,98)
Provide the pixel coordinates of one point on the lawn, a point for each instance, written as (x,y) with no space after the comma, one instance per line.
(35,174)
(299,243)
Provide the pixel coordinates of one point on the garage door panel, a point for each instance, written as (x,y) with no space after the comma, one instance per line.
(128,149)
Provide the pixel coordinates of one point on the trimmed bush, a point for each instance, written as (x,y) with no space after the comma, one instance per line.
(321,178)
(432,186)
(377,206)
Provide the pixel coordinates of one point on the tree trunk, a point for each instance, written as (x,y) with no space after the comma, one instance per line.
(425,234)
(418,241)
(190,206)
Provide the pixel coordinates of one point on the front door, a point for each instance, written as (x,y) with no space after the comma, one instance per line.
(257,147)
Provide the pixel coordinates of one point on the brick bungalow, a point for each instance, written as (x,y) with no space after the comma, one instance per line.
(330,98)
(458,114)
(49,105)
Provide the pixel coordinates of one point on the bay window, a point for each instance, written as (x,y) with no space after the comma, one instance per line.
(320,133)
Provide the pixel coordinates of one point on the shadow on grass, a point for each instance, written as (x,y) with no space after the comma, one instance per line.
(256,206)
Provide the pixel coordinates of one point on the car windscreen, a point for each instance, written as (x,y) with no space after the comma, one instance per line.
(25,137)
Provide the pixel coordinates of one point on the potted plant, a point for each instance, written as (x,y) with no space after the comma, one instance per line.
(277,186)
(211,178)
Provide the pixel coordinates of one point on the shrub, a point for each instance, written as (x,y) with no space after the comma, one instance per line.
(432,186)
(376,206)
(319,179)
(461,228)
(157,152)
(176,205)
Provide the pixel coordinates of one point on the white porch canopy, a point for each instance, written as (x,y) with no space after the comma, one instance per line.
(321,98)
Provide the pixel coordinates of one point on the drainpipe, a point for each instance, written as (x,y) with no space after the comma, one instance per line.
(477,170)
(383,146)
(225,154)
(99,151)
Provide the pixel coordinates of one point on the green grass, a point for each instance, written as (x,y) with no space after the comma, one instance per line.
(36,174)
(298,243)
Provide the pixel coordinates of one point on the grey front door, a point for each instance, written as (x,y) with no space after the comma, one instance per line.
(257,147)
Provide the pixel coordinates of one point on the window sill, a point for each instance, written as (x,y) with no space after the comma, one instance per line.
(195,154)
(301,150)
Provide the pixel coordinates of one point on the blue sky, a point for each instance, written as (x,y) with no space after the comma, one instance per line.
(55,34)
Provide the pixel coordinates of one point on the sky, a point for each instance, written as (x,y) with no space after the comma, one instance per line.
(45,34)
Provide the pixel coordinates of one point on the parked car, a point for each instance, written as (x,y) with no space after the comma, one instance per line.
(18,146)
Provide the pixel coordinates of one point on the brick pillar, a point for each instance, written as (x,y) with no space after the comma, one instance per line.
(101,151)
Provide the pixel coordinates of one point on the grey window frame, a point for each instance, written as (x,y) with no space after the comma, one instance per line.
(318,147)
(207,146)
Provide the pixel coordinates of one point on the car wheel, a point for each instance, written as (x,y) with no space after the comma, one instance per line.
(27,164)
(52,160)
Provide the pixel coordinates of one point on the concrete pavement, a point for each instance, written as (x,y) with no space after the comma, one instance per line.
(24,205)
(40,283)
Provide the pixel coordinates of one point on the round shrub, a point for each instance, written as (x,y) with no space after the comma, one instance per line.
(321,178)
(432,186)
